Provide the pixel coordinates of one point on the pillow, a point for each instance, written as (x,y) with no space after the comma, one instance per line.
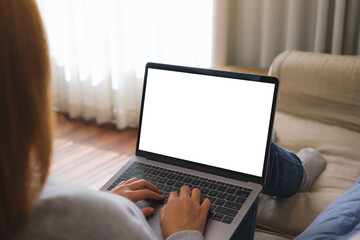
(340,220)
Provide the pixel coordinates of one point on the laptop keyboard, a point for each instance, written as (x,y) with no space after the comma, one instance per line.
(226,199)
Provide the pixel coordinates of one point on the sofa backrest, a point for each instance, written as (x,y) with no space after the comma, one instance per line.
(320,86)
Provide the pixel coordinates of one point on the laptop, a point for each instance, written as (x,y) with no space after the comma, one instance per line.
(207,129)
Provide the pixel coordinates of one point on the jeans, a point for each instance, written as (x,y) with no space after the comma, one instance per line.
(283,179)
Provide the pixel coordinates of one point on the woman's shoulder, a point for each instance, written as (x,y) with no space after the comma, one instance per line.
(68,212)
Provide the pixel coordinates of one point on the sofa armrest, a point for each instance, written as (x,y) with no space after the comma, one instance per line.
(320,86)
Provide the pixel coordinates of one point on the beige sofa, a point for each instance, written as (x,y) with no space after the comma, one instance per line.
(319,107)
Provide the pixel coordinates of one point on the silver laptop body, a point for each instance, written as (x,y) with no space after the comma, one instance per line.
(212,124)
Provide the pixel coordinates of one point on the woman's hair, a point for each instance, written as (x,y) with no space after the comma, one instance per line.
(25,112)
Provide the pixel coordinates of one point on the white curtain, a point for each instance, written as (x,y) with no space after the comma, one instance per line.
(99,50)
(253,32)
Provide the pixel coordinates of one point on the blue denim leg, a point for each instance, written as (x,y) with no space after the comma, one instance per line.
(283,179)
(284,174)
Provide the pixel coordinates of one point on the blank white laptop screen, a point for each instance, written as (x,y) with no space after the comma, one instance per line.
(217,121)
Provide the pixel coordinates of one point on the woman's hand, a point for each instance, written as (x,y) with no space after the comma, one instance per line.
(184,212)
(136,190)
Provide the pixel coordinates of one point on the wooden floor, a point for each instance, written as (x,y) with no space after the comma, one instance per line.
(87,154)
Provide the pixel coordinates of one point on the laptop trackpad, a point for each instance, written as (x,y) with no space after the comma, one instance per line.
(153,220)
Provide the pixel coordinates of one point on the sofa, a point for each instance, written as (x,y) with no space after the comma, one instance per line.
(318,106)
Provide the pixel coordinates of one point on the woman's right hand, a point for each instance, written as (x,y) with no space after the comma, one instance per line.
(184,212)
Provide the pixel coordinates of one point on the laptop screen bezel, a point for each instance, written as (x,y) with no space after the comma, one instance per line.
(197,166)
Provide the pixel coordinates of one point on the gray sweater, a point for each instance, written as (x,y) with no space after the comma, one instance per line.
(65,211)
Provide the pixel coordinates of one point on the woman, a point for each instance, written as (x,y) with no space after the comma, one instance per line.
(33,206)
(26,123)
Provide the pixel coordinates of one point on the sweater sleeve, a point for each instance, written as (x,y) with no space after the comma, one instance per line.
(67,212)
(64,211)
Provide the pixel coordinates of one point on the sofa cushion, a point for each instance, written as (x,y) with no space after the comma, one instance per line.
(339,147)
(265,235)
(319,86)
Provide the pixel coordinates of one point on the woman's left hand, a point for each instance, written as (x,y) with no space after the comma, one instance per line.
(136,190)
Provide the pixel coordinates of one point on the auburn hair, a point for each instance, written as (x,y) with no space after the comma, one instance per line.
(25,112)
